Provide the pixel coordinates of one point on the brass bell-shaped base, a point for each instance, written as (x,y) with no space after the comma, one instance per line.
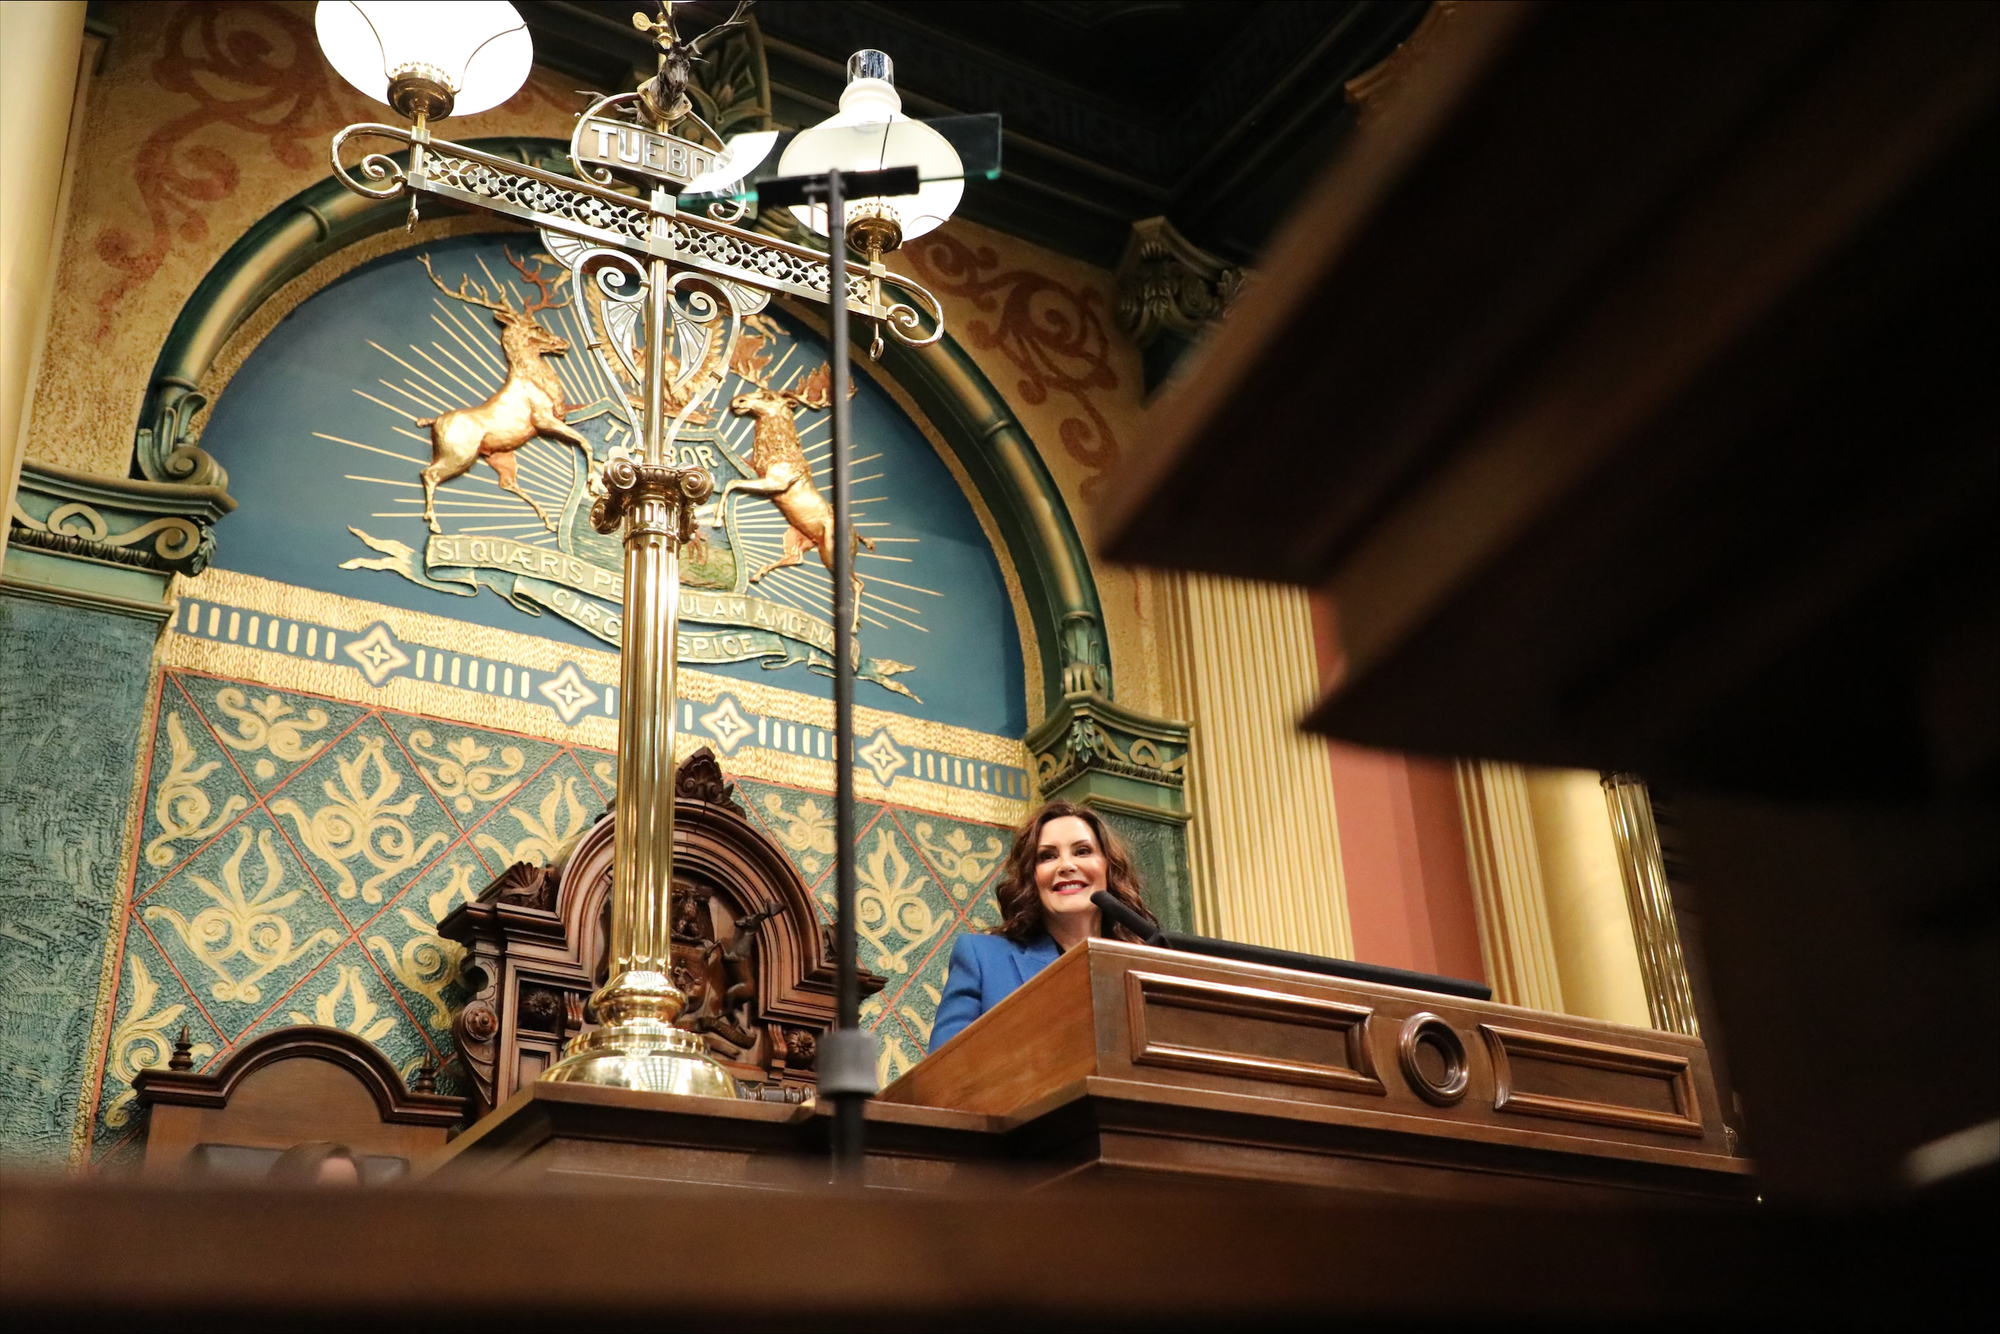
(639,1047)
(647,1055)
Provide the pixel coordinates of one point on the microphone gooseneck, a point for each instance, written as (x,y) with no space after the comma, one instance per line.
(1118,912)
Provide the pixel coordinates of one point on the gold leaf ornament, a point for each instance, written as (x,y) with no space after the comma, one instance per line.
(183,803)
(807,831)
(956,858)
(362,821)
(461,773)
(239,923)
(887,899)
(142,1040)
(427,962)
(263,724)
(361,1008)
(559,818)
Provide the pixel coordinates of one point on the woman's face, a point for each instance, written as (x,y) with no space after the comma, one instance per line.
(1069,866)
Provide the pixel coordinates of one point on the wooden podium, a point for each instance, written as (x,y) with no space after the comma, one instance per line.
(1123,1062)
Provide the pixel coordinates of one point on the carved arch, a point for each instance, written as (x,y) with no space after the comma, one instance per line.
(717,848)
(1065,614)
(357,1056)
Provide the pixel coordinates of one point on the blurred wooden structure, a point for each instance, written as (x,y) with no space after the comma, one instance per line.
(1125,1063)
(1627,390)
(169,1257)
(288,1087)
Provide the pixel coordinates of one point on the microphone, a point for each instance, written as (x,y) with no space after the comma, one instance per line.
(1125,917)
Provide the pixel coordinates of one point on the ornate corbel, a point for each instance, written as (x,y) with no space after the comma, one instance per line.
(165,445)
(1085,670)
(112,543)
(1169,291)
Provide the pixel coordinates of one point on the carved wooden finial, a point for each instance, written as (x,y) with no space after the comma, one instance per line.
(183,1057)
(524,883)
(700,777)
(425,1080)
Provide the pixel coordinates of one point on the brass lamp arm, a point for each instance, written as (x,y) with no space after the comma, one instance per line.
(653,227)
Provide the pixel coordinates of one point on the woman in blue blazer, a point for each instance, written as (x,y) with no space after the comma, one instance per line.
(1062,856)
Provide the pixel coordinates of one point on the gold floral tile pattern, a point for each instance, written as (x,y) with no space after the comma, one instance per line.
(296,854)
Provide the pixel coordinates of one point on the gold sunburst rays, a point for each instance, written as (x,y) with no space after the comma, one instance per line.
(478,343)
(809,587)
(373,449)
(485,388)
(477,393)
(444,395)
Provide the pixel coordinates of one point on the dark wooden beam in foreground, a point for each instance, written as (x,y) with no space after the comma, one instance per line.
(1628,386)
(162,1257)
(1628,389)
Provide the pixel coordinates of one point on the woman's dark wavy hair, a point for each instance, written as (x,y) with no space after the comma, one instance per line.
(1020,902)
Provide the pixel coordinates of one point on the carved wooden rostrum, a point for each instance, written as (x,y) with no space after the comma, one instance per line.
(745,948)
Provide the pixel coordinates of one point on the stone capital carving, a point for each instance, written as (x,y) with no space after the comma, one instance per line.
(1167,285)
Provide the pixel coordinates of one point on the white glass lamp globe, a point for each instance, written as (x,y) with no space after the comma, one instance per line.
(438,57)
(868,133)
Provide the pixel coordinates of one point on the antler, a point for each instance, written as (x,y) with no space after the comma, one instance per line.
(814,390)
(735,20)
(504,307)
(542,285)
(745,360)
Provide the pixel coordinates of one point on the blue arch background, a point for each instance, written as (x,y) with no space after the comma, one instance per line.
(298,497)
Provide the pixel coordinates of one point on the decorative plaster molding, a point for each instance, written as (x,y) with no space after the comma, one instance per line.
(109,543)
(1169,285)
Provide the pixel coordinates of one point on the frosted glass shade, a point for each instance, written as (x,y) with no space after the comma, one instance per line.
(743,154)
(868,133)
(479,49)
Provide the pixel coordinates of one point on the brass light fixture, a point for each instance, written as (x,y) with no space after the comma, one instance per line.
(659,272)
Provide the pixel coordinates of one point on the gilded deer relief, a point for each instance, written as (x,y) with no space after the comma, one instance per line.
(529,404)
(517,380)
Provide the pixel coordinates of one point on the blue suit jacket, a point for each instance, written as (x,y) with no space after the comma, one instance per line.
(984,971)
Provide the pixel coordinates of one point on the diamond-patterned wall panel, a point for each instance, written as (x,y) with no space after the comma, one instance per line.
(418,963)
(267,734)
(242,922)
(317,880)
(148,1013)
(543,818)
(192,793)
(365,819)
(348,992)
(471,772)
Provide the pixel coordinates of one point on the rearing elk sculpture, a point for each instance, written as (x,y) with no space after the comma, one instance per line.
(783,475)
(528,405)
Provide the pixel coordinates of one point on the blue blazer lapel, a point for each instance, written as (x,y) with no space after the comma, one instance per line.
(1032,958)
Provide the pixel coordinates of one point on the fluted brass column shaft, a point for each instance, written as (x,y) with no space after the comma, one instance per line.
(636,1044)
(1669,994)
(642,883)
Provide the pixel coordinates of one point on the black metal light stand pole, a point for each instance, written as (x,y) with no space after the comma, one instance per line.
(852,1072)
(846,1063)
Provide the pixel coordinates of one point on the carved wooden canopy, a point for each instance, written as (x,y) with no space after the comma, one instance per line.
(749,949)
(291,1085)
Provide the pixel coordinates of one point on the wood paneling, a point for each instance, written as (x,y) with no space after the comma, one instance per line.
(291,1086)
(1039,1041)
(1540,1074)
(1121,1061)
(1183,1023)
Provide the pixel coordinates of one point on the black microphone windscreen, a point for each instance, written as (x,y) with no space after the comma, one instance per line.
(1108,904)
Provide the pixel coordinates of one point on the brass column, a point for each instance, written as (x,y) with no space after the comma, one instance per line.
(636,1045)
(1669,996)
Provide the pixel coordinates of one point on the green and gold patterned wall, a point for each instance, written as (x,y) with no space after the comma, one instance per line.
(294,853)
(184,841)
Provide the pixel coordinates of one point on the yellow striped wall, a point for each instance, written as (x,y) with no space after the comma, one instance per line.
(1264,849)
